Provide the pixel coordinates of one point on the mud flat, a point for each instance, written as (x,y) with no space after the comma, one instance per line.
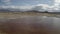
(30,25)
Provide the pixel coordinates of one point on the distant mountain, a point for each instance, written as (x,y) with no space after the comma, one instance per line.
(19,10)
(9,10)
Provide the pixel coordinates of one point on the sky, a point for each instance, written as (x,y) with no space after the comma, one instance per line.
(49,5)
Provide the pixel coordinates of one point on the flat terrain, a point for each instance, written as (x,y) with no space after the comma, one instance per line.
(20,14)
(29,23)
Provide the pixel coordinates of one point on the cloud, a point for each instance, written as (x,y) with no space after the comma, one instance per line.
(17,7)
(56,3)
(55,6)
(44,7)
(39,7)
(6,2)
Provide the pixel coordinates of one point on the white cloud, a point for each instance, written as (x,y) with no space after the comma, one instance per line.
(21,7)
(17,7)
(56,3)
(55,6)
(36,7)
(33,7)
(46,7)
(41,7)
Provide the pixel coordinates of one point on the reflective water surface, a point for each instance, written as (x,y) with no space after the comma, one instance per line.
(30,25)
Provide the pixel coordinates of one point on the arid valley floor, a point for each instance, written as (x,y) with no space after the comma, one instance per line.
(29,23)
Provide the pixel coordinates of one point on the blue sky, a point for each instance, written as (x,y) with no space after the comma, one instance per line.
(31,4)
